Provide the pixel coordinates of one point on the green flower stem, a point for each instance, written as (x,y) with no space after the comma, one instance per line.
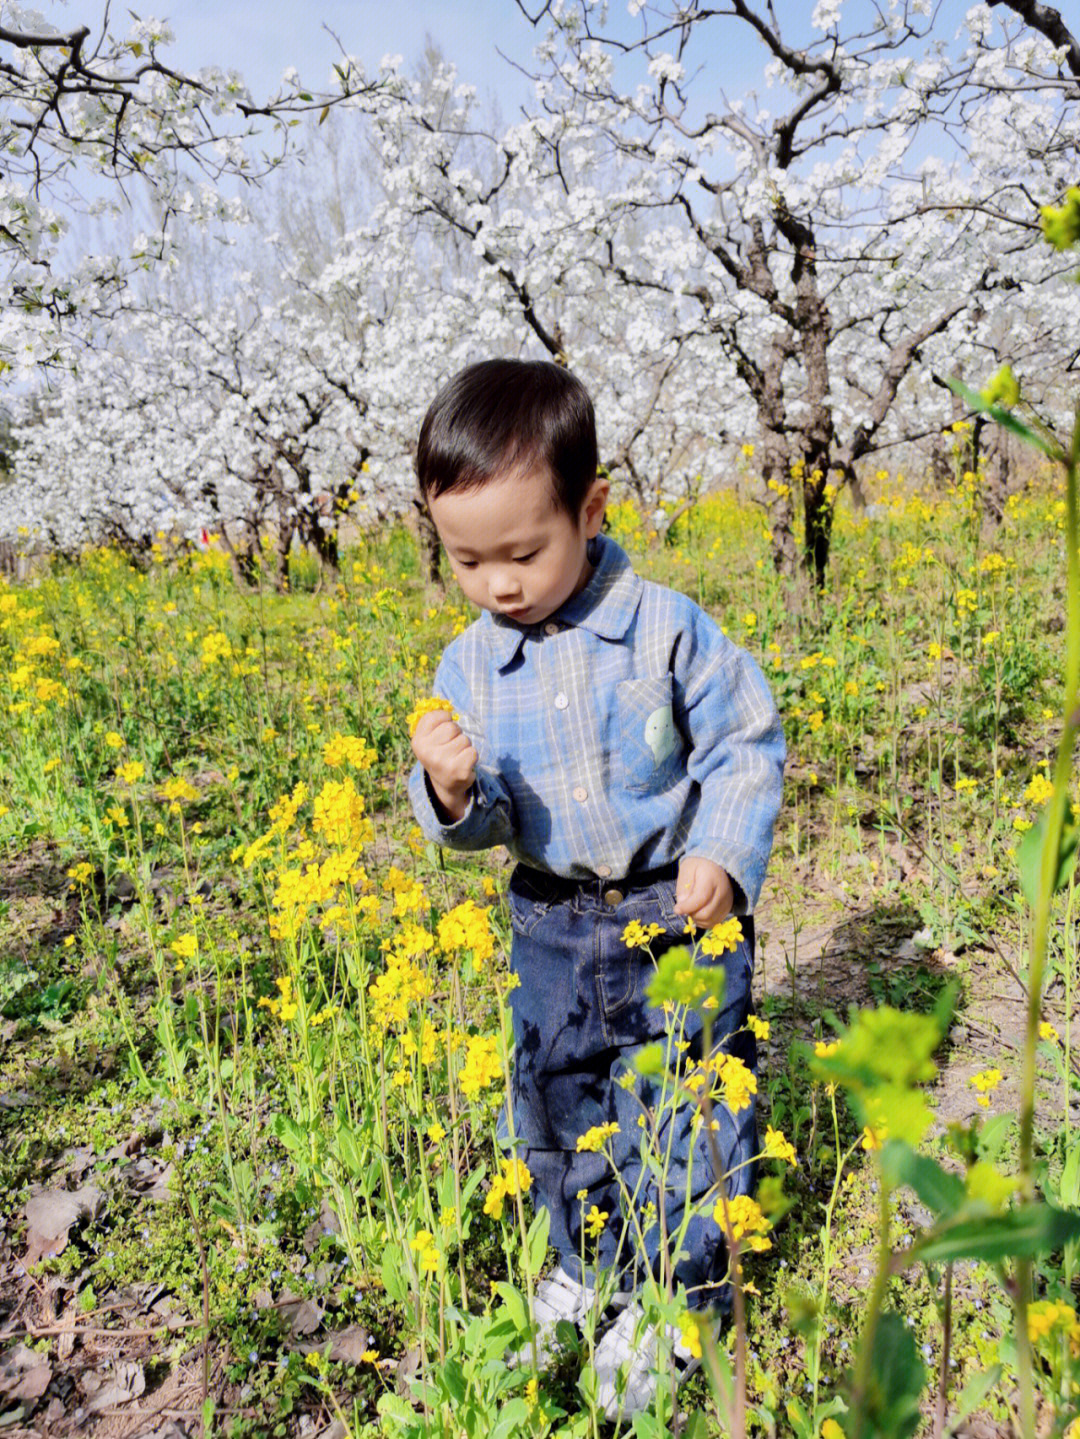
(874,1306)
(1040,933)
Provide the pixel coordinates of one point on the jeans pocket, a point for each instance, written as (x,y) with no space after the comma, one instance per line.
(651,746)
(526,907)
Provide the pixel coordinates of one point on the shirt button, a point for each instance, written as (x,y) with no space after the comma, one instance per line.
(580,793)
(613,897)
(561,701)
(551,629)
(603,870)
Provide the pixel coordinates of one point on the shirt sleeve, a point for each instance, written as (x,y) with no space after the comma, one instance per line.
(489,810)
(736,755)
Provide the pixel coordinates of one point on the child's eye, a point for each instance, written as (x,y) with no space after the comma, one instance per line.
(466,564)
(524,559)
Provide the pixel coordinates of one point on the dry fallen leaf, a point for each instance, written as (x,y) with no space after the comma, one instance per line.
(24,1374)
(106,1391)
(347,1346)
(51,1215)
(303,1316)
(66,1341)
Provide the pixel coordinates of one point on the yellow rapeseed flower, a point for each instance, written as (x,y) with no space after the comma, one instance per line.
(744,1221)
(778,1147)
(594,1139)
(426,706)
(723,937)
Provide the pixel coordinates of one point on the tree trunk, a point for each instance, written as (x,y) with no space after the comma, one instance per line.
(427,537)
(286,529)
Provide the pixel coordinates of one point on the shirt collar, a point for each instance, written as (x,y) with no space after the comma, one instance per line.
(605,606)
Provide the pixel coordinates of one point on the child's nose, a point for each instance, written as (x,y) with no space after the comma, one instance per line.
(503,585)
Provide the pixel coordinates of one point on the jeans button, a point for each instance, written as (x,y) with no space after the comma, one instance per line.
(613,897)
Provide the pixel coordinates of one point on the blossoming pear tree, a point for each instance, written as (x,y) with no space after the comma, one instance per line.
(86,119)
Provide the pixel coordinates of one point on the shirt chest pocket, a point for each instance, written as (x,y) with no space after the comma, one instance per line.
(652,747)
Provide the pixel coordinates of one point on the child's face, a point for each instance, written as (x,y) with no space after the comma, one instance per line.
(512,551)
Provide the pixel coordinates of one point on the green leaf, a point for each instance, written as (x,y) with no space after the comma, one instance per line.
(1023,1233)
(393,1274)
(1069,1184)
(1003,418)
(993,1135)
(1029,855)
(973,1394)
(451,1379)
(939,1190)
(512,1417)
(536,1244)
(394,1411)
(648,1426)
(896,1382)
(696,1426)
(515,1304)
(798,1419)
(350,1151)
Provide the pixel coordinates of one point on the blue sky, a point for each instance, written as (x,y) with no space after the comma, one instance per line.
(261,40)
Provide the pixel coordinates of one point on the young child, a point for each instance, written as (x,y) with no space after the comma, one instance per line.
(630,757)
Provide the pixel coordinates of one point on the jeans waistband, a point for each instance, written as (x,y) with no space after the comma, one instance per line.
(555,887)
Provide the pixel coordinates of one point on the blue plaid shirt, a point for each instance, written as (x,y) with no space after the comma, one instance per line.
(620,734)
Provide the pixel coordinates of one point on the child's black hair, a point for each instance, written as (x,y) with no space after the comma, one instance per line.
(500,415)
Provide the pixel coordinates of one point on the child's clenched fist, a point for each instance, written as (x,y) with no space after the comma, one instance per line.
(448,757)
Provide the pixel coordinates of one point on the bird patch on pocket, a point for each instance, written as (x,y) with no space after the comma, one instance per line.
(650,738)
(660,734)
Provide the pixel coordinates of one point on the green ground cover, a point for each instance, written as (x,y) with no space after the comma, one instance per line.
(254,1028)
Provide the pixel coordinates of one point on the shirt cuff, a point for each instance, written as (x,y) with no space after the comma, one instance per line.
(743,867)
(461,833)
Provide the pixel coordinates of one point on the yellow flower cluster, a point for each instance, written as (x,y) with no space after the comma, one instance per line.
(723,937)
(738,1081)
(482,1065)
(282,818)
(215,646)
(408,893)
(392,993)
(285,1006)
(986,1081)
(778,1147)
(595,1220)
(1039,790)
(639,936)
(177,790)
(131,772)
(1048,1318)
(513,1180)
(594,1139)
(299,890)
(466,929)
(690,1334)
(341,749)
(339,815)
(426,1250)
(427,706)
(744,1222)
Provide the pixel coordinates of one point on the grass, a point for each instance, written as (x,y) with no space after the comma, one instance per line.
(247,1012)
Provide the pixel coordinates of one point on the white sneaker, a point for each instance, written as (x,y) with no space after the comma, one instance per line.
(626,1363)
(557,1297)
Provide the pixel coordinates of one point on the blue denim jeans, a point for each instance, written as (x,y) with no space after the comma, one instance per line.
(581,1013)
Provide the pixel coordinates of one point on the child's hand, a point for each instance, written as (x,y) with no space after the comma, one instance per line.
(703,891)
(448,757)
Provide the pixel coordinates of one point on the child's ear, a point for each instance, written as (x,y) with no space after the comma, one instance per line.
(592,511)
